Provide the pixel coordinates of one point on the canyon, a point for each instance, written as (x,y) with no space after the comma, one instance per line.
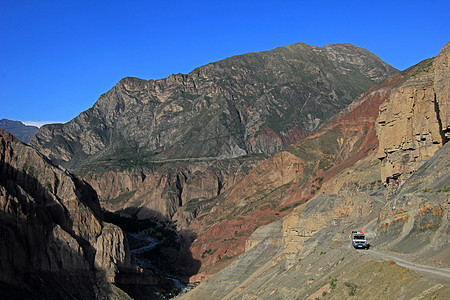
(259,166)
(307,254)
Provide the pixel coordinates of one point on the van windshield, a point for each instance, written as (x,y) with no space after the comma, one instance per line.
(359,237)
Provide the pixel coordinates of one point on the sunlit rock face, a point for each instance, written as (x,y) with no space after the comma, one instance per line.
(414,122)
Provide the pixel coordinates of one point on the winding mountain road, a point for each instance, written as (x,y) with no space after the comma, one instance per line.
(442,273)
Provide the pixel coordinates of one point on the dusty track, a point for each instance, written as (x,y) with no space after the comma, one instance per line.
(439,272)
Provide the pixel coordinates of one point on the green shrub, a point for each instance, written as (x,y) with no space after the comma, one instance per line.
(333,282)
(352,288)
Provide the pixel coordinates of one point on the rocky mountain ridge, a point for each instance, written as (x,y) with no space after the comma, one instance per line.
(252,103)
(18,129)
(289,179)
(173,135)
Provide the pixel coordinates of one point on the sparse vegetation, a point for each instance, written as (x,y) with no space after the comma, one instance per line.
(333,282)
(209,252)
(352,288)
(443,190)
(424,67)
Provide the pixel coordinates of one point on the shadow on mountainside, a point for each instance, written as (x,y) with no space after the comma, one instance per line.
(41,257)
(38,258)
(157,244)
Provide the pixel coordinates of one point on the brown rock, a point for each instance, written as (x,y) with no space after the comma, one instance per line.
(51,224)
(413,122)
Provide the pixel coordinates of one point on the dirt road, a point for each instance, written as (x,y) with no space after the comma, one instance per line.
(389,256)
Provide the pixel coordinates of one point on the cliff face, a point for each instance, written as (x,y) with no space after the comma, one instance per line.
(414,122)
(52,231)
(413,126)
(253,103)
(415,219)
(162,191)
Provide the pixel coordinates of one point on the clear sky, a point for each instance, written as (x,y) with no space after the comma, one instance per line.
(57,57)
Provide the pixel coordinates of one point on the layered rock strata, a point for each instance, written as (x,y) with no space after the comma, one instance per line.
(414,122)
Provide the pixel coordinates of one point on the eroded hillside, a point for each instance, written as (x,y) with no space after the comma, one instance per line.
(150,147)
(309,255)
(289,179)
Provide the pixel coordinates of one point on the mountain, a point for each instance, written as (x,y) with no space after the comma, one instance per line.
(246,104)
(276,224)
(160,144)
(18,129)
(349,175)
(54,243)
(289,179)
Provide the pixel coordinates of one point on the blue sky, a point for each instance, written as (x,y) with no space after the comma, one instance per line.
(58,57)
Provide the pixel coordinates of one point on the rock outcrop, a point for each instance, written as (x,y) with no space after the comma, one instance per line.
(416,218)
(52,233)
(414,123)
(414,151)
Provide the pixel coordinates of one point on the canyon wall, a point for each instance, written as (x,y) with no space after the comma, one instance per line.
(413,128)
(53,240)
(414,122)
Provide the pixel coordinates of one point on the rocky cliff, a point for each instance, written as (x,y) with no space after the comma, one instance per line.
(162,190)
(54,243)
(414,122)
(413,126)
